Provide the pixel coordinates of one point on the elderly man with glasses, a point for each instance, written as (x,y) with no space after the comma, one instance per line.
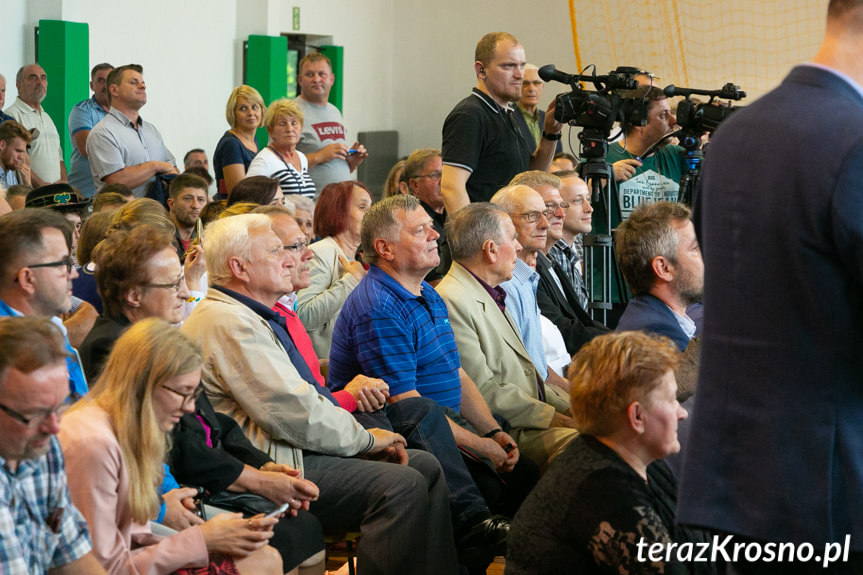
(555,294)
(36,273)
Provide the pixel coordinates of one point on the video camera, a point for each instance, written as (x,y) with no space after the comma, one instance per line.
(598,109)
(696,118)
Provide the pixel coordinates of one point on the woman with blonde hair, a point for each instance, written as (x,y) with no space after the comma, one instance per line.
(115,441)
(237,147)
(281,159)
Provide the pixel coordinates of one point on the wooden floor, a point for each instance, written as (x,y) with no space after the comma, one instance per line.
(497,567)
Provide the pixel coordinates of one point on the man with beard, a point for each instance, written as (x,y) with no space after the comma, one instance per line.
(661,262)
(46,156)
(187,197)
(83,117)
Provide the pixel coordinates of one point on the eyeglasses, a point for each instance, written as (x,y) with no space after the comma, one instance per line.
(436,176)
(187,396)
(551,208)
(174,287)
(66,261)
(297,247)
(37,421)
(533,216)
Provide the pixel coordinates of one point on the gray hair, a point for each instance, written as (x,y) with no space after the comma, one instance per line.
(535,179)
(380,222)
(227,238)
(646,234)
(470,227)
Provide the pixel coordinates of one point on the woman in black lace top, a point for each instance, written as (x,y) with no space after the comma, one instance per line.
(609,496)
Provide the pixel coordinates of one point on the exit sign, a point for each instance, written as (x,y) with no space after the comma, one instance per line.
(296,20)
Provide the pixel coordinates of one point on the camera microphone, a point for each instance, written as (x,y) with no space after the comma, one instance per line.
(549,73)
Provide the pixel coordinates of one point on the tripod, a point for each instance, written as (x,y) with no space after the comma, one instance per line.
(599,254)
(691,156)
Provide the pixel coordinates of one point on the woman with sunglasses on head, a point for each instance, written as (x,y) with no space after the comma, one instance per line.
(114,442)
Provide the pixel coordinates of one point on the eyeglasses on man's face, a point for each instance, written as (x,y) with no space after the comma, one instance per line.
(38,420)
(297,247)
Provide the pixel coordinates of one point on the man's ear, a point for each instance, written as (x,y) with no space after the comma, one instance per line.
(490,250)
(170,202)
(26,278)
(479,67)
(635,417)
(662,268)
(238,268)
(384,249)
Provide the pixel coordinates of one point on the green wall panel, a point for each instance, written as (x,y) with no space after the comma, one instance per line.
(267,70)
(64,53)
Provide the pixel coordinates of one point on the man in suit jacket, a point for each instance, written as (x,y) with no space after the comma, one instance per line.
(527,115)
(485,247)
(660,259)
(776,448)
(557,298)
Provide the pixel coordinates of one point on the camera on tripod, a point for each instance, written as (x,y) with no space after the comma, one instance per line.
(598,109)
(697,118)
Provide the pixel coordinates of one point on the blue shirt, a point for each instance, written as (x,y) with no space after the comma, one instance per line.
(39,527)
(8,178)
(84,116)
(522,306)
(387,332)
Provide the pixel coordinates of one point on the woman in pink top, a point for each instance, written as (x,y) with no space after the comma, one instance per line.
(115,441)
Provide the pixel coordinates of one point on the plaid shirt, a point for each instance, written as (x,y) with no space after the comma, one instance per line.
(568,259)
(39,527)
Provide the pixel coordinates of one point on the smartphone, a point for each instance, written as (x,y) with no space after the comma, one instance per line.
(279,510)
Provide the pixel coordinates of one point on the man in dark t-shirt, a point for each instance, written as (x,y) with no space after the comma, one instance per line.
(482,145)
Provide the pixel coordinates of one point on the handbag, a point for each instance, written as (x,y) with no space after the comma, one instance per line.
(245,503)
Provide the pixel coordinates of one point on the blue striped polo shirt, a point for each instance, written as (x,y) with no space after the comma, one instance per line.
(387,332)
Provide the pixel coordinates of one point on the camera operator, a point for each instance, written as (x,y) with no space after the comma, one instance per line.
(482,146)
(654,178)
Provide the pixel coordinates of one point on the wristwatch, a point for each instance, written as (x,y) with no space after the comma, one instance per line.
(552,137)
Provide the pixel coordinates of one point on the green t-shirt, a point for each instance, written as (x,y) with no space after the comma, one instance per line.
(658,179)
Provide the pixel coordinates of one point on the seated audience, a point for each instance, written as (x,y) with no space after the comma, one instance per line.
(568,251)
(304,213)
(237,147)
(139,276)
(261,190)
(36,273)
(607,498)
(212,211)
(422,174)
(114,442)
(281,159)
(661,262)
(118,188)
(17,195)
(485,248)
(395,183)
(108,202)
(92,232)
(563,161)
(526,211)
(187,197)
(254,373)
(394,326)
(335,270)
(556,296)
(40,529)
